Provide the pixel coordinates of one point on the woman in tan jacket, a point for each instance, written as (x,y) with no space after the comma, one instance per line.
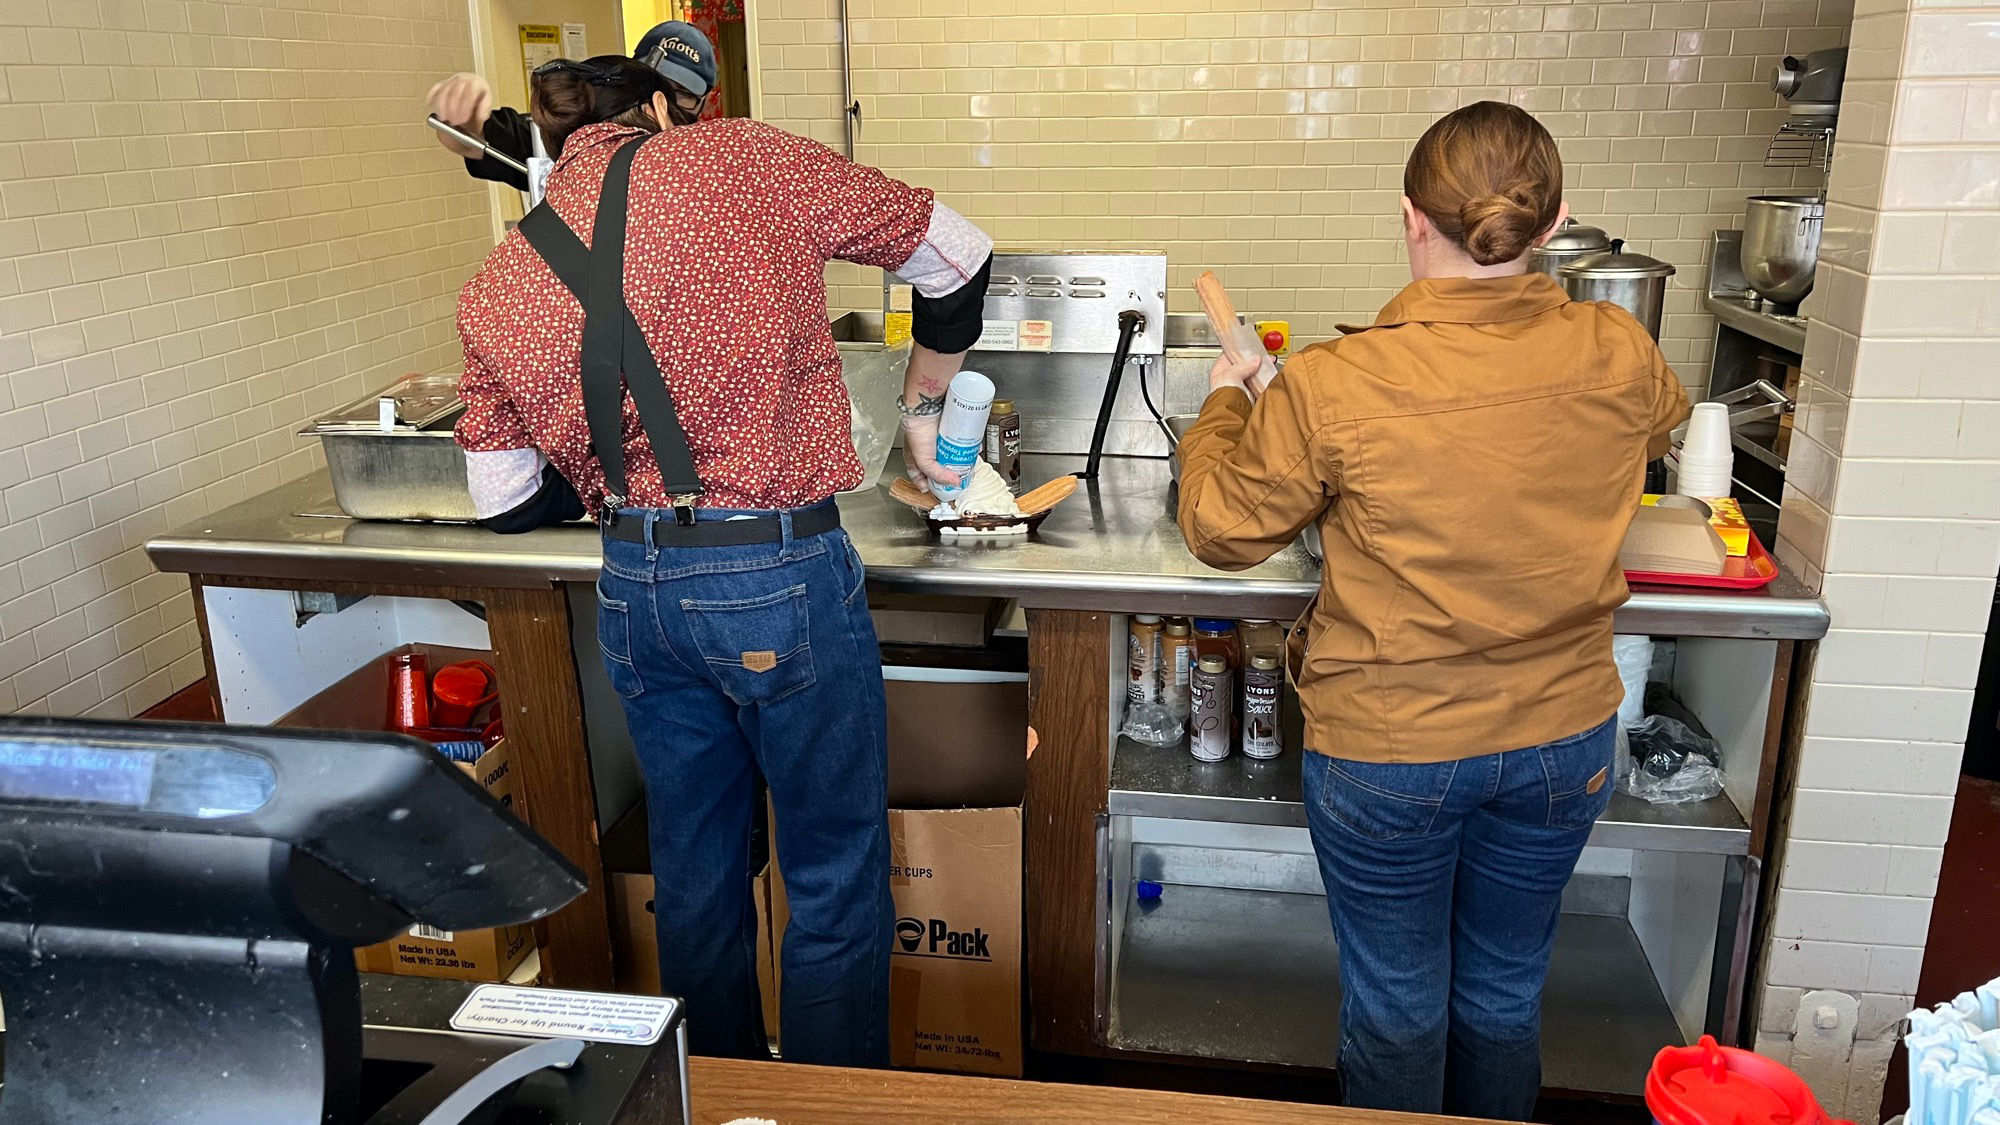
(1473,459)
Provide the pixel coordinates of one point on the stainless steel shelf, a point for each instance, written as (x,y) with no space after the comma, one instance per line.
(1787,333)
(1167,782)
(1254,976)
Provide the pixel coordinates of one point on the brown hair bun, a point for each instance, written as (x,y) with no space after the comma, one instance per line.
(1489,178)
(1498,228)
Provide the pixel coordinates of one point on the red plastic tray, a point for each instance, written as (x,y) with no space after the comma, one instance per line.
(1748,571)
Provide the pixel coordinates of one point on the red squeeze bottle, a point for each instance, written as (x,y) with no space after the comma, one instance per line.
(409,691)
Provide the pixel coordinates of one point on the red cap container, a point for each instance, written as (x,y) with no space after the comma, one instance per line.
(1709,1084)
(461,690)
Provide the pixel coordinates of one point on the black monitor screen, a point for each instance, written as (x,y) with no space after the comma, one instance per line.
(50,771)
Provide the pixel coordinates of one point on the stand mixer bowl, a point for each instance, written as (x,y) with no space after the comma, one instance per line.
(1781,245)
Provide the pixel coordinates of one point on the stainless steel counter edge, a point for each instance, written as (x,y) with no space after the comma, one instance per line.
(1111,548)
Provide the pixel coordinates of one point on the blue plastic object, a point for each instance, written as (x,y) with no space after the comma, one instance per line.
(1148,890)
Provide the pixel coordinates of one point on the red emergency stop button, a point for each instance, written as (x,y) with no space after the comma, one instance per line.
(1274,341)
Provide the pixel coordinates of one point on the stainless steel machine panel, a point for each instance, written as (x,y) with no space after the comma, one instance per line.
(1080,293)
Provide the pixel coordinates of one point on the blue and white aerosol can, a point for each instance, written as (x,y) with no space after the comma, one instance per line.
(962,429)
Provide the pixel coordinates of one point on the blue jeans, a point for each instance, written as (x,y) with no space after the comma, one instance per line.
(736,662)
(1444,881)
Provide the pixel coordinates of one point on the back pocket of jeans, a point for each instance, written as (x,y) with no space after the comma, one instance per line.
(1579,772)
(1381,800)
(758,649)
(614,642)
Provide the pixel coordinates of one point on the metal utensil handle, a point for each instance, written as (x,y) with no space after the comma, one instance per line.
(1775,402)
(470,141)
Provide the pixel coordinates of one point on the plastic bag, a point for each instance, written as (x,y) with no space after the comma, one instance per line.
(1634,657)
(1670,763)
(1154,724)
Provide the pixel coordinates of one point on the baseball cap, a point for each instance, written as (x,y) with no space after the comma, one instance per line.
(682,53)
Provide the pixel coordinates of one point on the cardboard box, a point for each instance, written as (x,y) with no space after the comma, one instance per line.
(981,765)
(925,619)
(360,701)
(481,955)
(955,957)
(635,939)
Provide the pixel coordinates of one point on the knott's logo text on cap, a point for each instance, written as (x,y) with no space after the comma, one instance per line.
(919,937)
(676,47)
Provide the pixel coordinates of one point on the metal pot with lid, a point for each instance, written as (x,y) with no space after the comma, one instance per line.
(1570,242)
(1633,281)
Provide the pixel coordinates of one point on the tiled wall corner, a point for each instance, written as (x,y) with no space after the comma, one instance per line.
(1897,512)
(1266,139)
(216,220)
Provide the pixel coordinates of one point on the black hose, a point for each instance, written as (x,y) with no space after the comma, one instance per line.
(1130,322)
(1145,392)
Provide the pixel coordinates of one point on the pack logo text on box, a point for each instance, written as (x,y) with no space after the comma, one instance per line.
(934,937)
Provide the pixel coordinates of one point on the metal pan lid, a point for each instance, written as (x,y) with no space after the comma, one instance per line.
(421,401)
(1573,237)
(1618,263)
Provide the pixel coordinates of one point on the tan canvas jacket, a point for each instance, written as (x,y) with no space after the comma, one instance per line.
(1473,460)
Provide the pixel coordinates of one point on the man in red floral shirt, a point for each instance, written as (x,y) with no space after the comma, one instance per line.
(678,374)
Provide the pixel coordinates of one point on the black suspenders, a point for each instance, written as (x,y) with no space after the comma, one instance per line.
(615,356)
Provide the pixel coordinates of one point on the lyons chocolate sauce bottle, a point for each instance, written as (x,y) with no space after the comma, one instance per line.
(1003,443)
(1261,683)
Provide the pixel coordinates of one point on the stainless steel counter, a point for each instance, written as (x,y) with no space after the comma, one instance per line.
(1113,546)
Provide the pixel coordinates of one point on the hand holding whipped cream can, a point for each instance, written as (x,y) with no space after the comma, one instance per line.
(962,430)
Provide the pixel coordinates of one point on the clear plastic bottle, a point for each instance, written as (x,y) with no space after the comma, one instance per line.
(1176,666)
(1143,659)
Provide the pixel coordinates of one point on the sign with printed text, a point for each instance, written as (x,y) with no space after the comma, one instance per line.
(1000,336)
(540,43)
(545,1013)
(1037,335)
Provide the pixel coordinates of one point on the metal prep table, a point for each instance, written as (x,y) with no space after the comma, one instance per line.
(1102,979)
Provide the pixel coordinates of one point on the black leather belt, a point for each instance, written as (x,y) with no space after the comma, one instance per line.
(725,533)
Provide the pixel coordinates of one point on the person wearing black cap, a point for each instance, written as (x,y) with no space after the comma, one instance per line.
(677,50)
(677,377)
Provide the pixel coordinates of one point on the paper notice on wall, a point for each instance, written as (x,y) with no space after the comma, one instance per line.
(573,43)
(540,43)
(896,329)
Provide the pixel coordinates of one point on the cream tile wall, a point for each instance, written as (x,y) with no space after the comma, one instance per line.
(1265,138)
(216,220)
(1893,507)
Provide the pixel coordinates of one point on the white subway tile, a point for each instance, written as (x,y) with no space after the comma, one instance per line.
(1817,865)
(1894,968)
(1822,917)
(1871,818)
(1897,428)
(1868,711)
(1962,42)
(1814,964)
(1863,766)
(1857,656)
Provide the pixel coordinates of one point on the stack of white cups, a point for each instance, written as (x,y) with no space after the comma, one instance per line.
(1706,456)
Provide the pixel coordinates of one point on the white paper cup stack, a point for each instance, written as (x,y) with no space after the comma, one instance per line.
(1707,459)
